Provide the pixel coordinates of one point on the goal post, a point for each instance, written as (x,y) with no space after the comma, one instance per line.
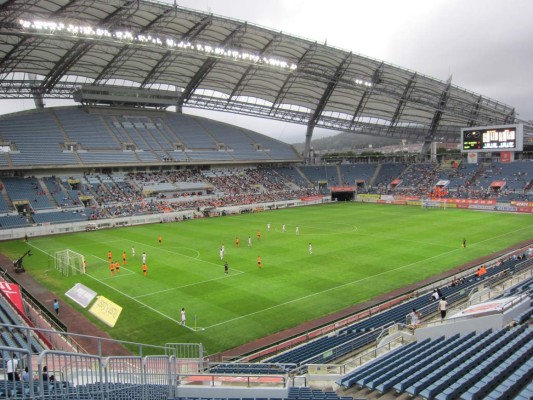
(69,262)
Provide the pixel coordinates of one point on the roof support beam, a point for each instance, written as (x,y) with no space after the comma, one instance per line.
(376,79)
(14,9)
(437,116)
(164,61)
(401,104)
(82,46)
(198,28)
(251,66)
(332,84)
(291,77)
(475,113)
(511,117)
(204,70)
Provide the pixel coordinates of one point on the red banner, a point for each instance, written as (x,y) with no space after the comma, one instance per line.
(343,189)
(12,292)
(471,201)
(506,157)
(311,198)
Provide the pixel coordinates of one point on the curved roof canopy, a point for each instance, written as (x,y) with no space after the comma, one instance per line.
(48,48)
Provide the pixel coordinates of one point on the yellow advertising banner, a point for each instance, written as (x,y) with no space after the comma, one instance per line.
(106,311)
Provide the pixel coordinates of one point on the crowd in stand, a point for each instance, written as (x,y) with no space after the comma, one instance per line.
(232,187)
(125,195)
(419,180)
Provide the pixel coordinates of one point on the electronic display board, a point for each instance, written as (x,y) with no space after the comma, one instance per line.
(492,138)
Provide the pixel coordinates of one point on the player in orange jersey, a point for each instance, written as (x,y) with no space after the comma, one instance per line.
(145,269)
(117,266)
(236,242)
(124,258)
(112,267)
(258,235)
(160,239)
(259,262)
(109,256)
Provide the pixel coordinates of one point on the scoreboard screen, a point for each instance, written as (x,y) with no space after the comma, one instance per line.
(492,138)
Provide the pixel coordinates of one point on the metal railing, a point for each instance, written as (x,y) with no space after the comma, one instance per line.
(69,375)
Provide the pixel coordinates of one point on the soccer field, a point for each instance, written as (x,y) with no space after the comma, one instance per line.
(359,252)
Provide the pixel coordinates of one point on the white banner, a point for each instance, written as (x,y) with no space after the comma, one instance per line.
(81,294)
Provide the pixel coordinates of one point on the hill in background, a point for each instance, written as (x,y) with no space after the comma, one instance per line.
(346,141)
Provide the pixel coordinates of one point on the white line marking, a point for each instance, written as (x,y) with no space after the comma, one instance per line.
(183,255)
(188,285)
(126,295)
(353,282)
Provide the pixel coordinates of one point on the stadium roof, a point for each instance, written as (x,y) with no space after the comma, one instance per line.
(50,48)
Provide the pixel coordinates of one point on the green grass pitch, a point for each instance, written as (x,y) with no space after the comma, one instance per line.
(359,252)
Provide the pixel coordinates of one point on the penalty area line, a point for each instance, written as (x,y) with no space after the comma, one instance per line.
(127,295)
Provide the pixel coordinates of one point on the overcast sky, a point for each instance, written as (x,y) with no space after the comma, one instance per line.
(487,45)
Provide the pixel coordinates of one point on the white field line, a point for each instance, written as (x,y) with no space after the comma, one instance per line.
(125,294)
(183,255)
(351,283)
(188,285)
(303,297)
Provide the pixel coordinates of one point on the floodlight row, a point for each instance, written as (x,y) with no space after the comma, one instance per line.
(129,37)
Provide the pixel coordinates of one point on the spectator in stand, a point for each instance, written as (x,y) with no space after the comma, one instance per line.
(443,305)
(414,319)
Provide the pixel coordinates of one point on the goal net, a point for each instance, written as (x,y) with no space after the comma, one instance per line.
(69,262)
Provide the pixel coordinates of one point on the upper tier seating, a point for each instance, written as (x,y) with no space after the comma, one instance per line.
(27,189)
(37,138)
(74,136)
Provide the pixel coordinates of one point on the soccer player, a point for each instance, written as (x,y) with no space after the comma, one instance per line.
(221,253)
(259,262)
(132,251)
(183,316)
(310,248)
(112,267)
(268,227)
(84,265)
(297,230)
(464,243)
(160,239)
(117,266)
(226,267)
(283,228)
(145,269)
(258,235)
(223,248)
(123,257)
(109,256)
(236,242)
(144,257)
(249,241)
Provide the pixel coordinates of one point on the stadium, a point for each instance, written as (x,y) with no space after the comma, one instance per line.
(150,253)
